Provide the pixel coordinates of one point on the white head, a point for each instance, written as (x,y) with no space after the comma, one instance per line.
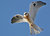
(26,14)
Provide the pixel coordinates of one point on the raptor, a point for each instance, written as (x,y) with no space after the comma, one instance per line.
(30,17)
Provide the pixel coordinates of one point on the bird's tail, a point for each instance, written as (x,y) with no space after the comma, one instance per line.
(36,29)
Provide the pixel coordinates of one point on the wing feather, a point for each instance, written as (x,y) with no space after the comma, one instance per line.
(32,11)
(18,19)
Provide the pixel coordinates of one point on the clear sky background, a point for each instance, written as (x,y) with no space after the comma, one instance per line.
(9,8)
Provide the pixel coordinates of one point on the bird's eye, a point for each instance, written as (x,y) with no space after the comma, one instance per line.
(34,4)
(25,13)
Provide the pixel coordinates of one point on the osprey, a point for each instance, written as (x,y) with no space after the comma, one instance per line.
(30,16)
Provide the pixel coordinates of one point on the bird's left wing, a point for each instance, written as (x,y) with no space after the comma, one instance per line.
(34,7)
(18,18)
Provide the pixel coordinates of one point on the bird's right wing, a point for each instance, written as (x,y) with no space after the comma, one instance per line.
(18,19)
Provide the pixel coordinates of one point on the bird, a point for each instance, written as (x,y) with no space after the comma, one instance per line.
(29,17)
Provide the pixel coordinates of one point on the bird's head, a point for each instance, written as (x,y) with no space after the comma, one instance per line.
(16,19)
(38,4)
(26,14)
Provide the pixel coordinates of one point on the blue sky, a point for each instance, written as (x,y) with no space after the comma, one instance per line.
(9,8)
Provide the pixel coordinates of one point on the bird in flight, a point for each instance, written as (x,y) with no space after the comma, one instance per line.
(30,17)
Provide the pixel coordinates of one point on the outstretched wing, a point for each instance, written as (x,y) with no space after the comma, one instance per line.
(34,7)
(17,19)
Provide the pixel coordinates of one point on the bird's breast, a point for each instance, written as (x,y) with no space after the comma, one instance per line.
(28,19)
